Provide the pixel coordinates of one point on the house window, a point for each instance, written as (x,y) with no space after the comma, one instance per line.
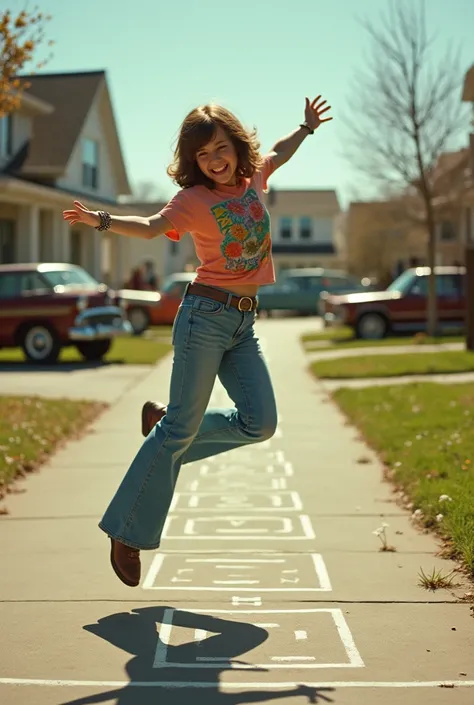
(285,228)
(305,228)
(90,164)
(7,241)
(6,136)
(447,231)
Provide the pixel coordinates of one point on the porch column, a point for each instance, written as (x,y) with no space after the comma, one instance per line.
(61,238)
(28,234)
(95,250)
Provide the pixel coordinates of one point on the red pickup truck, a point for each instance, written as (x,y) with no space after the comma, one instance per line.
(402,307)
(44,307)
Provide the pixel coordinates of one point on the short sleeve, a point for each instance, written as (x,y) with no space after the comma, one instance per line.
(180,214)
(265,171)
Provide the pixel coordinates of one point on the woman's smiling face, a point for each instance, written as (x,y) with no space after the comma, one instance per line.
(218,159)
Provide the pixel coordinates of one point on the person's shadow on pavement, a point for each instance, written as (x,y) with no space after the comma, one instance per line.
(137,633)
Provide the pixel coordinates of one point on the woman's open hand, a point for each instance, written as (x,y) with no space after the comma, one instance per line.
(80,214)
(314,110)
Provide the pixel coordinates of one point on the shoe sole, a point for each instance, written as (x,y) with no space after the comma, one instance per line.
(145,427)
(117,572)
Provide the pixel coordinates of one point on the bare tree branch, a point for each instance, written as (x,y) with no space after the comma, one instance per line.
(405,113)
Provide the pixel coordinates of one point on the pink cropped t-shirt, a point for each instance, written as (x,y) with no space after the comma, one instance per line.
(230,227)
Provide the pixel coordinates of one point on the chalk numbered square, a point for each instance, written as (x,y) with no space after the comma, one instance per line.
(272,639)
(227,470)
(252,573)
(236,501)
(239,527)
(234,483)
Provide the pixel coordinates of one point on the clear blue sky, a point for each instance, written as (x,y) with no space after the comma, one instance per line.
(258,57)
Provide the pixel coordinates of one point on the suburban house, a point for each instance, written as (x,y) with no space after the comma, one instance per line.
(303,228)
(63,144)
(382,238)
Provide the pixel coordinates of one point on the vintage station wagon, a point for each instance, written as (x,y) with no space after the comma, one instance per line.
(402,308)
(44,307)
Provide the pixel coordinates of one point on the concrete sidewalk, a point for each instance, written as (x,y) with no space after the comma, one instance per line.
(269,585)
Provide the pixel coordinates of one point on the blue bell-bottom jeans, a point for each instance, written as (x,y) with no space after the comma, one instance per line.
(210,340)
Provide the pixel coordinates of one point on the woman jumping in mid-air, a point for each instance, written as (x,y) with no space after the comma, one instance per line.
(222,177)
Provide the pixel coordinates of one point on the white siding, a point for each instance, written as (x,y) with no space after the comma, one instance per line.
(95,128)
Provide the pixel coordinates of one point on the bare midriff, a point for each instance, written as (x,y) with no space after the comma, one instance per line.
(243,289)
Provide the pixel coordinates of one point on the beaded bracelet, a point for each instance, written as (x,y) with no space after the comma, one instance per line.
(105,221)
(305,124)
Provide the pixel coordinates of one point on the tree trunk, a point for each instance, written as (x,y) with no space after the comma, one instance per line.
(432,308)
(469,289)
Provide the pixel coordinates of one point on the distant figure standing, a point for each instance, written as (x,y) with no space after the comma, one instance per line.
(150,278)
(136,279)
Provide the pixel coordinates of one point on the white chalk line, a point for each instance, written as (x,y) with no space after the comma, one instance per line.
(58,683)
(355,659)
(304,522)
(322,576)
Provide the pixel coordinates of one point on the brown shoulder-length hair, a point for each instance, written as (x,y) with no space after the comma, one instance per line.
(197,130)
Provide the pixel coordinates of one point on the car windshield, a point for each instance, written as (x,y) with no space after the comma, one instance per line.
(403,282)
(70,277)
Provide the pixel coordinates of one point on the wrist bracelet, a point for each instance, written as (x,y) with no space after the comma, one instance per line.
(105,220)
(305,124)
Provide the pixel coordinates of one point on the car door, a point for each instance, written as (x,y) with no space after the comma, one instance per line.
(10,305)
(290,294)
(451,300)
(409,313)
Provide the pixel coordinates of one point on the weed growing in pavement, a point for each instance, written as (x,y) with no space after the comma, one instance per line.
(435,580)
(382,534)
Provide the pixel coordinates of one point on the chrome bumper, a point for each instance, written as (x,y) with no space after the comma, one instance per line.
(100,323)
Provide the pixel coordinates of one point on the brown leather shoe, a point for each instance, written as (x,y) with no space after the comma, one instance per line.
(126,563)
(152,412)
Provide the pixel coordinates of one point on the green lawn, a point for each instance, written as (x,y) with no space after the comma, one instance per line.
(344,338)
(31,428)
(130,351)
(423,433)
(395,365)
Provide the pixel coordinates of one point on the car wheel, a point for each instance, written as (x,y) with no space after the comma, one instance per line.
(94,349)
(139,320)
(40,344)
(372,326)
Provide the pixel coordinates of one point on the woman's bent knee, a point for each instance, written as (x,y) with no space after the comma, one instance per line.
(266,424)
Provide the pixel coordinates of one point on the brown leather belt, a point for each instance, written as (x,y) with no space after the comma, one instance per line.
(242,303)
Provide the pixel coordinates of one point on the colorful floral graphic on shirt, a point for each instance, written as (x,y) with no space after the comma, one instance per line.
(245,225)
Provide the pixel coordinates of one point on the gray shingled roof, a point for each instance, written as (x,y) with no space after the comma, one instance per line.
(55,135)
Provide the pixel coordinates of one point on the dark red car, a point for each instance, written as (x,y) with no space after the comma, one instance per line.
(44,307)
(402,307)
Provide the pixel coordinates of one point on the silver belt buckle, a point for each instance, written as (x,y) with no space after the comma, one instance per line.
(245,298)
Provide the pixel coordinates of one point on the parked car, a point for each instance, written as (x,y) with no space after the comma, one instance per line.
(141,306)
(402,307)
(171,295)
(300,289)
(45,307)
